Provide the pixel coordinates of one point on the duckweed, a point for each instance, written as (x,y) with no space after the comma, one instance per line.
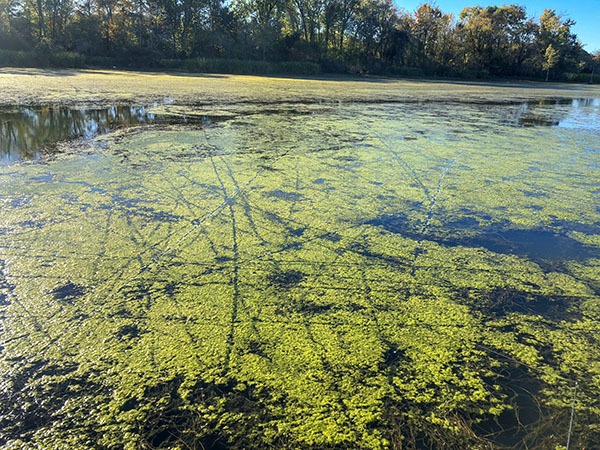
(376,276)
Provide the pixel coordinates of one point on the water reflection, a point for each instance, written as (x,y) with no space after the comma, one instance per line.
(582,110)
(25,131)
(565,113)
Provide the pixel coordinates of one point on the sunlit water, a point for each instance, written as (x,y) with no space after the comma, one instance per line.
(349,277)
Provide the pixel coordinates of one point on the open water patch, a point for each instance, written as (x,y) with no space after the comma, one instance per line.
(285,195)
(537,244)
(501,301)
(564,113)
(513,428)
(286,279)
(68,292)
(28,132)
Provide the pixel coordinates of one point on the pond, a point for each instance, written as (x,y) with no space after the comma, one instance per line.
(30,133)
(319,275)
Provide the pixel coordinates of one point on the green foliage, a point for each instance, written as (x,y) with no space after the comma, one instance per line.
(12,58)
(101,61)
(408,72)
(254,36)
(581,77)
(551,58)
(243,67)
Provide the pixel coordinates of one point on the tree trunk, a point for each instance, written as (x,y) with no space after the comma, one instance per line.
(41,24)
(107,35)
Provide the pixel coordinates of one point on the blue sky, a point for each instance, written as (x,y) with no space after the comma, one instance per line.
(586,13)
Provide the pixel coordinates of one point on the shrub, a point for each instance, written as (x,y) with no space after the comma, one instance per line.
(298,68)
(41,59)
(581,77)
(242,67)
(405,71)
(66,59)
(101,61)
(334,66)
(16,58)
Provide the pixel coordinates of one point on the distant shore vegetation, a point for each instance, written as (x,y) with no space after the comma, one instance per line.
(294,37)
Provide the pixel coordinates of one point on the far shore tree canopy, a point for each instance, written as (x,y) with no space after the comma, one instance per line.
(372,36)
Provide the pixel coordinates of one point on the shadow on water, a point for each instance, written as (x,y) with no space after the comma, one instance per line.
(26,132)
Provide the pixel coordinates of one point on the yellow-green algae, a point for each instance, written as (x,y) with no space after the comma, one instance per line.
(303,281)
(33,86)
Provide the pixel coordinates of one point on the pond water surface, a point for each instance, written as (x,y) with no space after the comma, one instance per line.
(391,275)
(28,133)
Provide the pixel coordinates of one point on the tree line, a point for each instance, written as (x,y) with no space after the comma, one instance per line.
(372,36)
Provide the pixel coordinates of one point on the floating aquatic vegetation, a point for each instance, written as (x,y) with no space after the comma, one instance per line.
(305,281)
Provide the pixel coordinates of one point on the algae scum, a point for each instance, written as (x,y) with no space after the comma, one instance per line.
(409,275)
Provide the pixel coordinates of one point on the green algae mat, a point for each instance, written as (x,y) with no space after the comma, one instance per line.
(372,275)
